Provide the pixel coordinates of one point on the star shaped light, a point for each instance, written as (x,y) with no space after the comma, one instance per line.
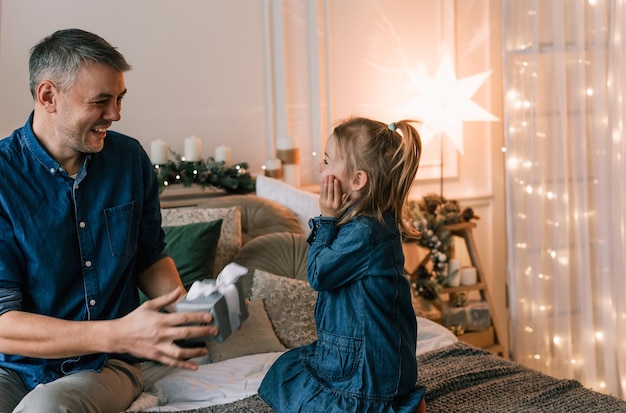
(444,102)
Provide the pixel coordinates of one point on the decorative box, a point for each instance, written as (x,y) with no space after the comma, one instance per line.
(223,298)
(475,316)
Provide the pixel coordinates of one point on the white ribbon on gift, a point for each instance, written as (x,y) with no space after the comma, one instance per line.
(225,285)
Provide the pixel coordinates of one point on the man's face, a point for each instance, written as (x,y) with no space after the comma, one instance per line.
(88,108)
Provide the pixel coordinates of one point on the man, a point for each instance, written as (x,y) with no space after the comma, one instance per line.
(80,229)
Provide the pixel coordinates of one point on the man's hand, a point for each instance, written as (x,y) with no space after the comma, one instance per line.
(331,198)
(148,333)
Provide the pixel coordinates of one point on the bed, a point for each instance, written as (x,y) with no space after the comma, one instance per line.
(458,378)
(269,229)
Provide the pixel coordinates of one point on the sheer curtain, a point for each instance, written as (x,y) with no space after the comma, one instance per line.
(565,83)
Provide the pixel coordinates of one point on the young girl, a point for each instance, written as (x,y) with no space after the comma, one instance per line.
(364,357)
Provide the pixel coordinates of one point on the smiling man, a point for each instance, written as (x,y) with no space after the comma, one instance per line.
(80,229)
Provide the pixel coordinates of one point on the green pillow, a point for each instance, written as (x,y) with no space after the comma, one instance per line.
(192,247)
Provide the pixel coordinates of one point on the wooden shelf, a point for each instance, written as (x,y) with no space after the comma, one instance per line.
(496,345)
(490,339)
(462,288)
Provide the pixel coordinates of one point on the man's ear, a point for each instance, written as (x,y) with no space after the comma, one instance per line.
(47,95)
(359,180)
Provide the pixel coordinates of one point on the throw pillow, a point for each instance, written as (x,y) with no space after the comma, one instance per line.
(303,203)
(290,305)
(230,235)
(280,253)
(255,336)
(193,248)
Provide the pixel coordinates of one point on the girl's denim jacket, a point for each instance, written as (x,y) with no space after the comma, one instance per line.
(365,322)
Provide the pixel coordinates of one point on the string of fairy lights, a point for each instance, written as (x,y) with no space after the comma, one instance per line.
(547,275)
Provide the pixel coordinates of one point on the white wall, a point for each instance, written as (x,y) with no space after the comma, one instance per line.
(201,67)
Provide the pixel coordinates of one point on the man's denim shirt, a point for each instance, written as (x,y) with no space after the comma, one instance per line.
(71,248)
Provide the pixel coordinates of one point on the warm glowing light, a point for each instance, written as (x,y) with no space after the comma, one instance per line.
(556,340)
(513,163)
(537,356)
(444,102)
(599,335)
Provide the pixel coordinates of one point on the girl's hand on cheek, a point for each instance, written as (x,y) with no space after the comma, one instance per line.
(331,197)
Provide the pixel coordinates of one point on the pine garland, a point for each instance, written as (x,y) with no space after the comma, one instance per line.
(234,179)
(430,216)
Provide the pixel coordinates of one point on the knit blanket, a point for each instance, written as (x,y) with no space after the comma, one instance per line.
(464,379)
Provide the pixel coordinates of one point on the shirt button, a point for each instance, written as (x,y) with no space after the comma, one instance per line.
(82,224)
(92,302)
(52,170)
(87,263)
(76,186)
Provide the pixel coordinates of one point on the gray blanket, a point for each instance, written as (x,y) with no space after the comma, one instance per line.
(460,378)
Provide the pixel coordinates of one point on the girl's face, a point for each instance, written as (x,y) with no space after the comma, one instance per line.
(334,165)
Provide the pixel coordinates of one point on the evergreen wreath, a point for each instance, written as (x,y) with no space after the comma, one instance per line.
(233,179)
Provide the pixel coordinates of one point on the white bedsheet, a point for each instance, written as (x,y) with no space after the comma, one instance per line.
(170,389)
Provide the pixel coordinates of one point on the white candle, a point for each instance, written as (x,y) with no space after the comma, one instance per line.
(223,154)
(291,174)
(159,152)
(468,276)
(288,152)
(193,149)
(454,273)
(273,164)
(285,142)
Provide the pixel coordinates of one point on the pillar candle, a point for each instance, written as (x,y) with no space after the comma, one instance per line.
(454,278)
(273,168)
(193,149)
(288,152)
(223,154)
(468,276)
(159,152)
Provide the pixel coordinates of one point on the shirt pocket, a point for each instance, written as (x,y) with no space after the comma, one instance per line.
(122,229)
(336,357)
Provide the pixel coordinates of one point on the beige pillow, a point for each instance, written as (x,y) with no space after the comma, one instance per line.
(230,234)
(280,253)
(255,336)
(290,305)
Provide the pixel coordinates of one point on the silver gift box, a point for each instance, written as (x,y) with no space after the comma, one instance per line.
(226,320)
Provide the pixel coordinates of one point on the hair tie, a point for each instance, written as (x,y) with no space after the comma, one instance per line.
(392,126)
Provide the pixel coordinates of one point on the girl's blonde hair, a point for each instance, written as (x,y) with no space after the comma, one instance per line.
(389,155)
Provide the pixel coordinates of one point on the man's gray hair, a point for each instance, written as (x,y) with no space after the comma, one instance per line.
(59,56)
